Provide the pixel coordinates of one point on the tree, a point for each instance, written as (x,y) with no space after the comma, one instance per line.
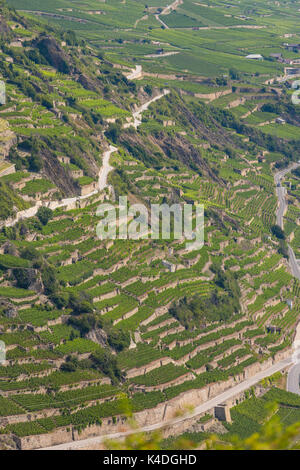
(35,163)
(80,303)
(60,299)
(278,232)
(148,89)
(104,361)
(24,277)
(113,132)
(49,279)
(30,253)
(44,214)
(118,339)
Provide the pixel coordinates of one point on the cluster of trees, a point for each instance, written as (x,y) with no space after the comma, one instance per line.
(102,360)
(277,231)
(221,305)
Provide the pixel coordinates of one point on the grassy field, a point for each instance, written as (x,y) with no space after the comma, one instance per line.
(127,31)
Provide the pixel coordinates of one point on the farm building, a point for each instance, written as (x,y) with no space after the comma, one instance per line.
(293,47)
(280,120)
(255,57)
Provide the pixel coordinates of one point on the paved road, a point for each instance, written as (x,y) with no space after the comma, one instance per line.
(208,405)
(106,168)
(136,73)
(282,207)
(293,379)
(137,115)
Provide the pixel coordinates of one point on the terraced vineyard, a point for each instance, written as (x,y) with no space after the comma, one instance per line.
(86,321)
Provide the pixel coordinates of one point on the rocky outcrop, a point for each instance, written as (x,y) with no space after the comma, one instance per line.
(98,336)
(4,28)
(53,53)
(10,310)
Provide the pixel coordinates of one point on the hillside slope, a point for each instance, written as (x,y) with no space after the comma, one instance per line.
(84,319)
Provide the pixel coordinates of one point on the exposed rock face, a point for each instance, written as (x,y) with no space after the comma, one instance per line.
(175,148)
(7,443)
(10,311)
(36,283)
(4,28)
(88,83)
(56,173)
(9,249)
(98,336)
(28,278)
(53,53)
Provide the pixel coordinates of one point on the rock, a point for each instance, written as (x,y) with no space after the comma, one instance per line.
(10,311)
(4,28)
(88,83)
(9,248)
(53,53)
(98,336)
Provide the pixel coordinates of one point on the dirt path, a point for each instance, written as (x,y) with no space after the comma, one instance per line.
(161,22)
(136,73)
(169,8)
(144,18)
(159,56)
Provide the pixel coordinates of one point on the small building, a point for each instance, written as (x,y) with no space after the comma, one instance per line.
(222,412)
(88,188)
(292,71)
(255,57)
(63,159)
(280,120)
(241,171)
(293,47)
(276,55)
(77,173)
(273,329)
(290,303)
(170,266)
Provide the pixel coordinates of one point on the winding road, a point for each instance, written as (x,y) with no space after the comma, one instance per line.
(137,115)
(103,173)
(293,380)
(106,168)
(294,372)
(71,201)
(282,208)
